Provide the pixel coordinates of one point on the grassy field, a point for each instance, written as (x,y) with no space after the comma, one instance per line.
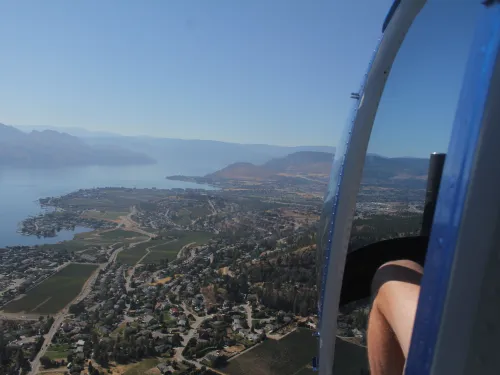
(105,215)
(114,200)
(54,293)
(184,216)
(132,255)
(118,234)
(142,367)
(293,354)
(283,357)
(74,245)
(58,351)
(89,240)
(170,249)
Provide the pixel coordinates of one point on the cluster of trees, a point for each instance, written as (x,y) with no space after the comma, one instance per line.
(13,361)
(192,370)
(76,367)
(295,268)
(77,308)
(366,231)
(46,362)
(287,281)
(123,349)
(199,349)
(300,301)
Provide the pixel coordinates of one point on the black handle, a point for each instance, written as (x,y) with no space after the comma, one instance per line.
(436,164)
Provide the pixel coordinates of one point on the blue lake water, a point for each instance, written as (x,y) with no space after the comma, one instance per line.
(20,190)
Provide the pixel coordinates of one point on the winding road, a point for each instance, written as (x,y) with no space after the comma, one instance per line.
(194,326)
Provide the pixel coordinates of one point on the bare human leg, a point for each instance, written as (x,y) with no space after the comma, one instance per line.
(396,289)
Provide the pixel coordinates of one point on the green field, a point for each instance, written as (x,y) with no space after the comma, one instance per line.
(170,249)
(105,215)
(113,200)
(182,217)
(132,255)
(90,240)
(118,234)
(185,216)
(54,293)
(73,245)
(58,351)
(293,355)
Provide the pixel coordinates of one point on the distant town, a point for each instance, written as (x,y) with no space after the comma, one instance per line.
(185,281)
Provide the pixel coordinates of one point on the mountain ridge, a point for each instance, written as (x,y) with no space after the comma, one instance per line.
(297,163)
(50,149)
(311,162)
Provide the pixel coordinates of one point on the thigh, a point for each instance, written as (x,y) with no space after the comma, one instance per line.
(398,287)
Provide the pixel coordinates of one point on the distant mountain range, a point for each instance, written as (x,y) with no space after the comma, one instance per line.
(194,157)
(382,168)
(309,163)
(214,160)
(300,163)
(316,167)
(77,132)
(49,149)
(199,157)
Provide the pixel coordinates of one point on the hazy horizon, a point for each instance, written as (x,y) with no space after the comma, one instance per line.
(77,129)
(277,73)
(255,72)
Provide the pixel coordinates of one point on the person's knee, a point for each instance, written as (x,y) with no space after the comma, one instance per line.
(396,291)
(402,270)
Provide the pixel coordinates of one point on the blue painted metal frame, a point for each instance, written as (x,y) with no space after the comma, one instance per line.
(340,200)
(336,178)
(390,14)
(453,192)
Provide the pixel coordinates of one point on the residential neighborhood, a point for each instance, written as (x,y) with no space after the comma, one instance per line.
(182,281)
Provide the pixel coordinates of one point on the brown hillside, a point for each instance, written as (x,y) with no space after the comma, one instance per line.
(298,163)
(242,171)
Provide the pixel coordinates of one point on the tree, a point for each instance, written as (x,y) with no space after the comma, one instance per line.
(46,362)
(77,308)
(176,340)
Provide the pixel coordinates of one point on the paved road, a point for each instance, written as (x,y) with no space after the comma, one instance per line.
(35,364)
(128,278)
(59,317)
(248,309)
(194,326)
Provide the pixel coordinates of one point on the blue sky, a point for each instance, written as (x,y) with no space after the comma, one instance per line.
(261,71)
(417,109)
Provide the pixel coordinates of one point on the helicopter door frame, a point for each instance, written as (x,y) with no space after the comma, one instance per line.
(456,329)
(347,174)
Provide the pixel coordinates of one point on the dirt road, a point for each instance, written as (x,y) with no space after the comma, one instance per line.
(127,223)
(180,254)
